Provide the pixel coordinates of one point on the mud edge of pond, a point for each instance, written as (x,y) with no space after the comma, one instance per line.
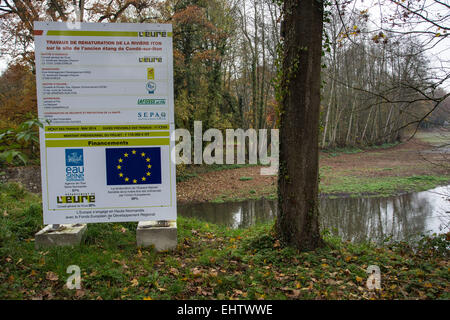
(378,195)
(340,195)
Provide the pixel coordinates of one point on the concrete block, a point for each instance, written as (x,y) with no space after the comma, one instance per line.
(162,236)
(65,235)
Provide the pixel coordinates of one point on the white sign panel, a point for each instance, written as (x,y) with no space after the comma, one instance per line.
(105,95)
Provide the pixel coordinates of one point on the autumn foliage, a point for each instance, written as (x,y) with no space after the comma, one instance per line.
(17,94)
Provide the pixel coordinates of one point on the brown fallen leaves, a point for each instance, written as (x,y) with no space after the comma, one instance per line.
(51,276)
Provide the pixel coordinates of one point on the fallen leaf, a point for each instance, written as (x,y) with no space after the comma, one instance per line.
(134,283)
(48,293)
(295,294)
(213,273)
(174,271)
(196,272)
(238,292)
(52,276)
(122,263)
(80,293)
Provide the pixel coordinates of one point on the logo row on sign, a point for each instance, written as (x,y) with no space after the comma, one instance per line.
(124,166)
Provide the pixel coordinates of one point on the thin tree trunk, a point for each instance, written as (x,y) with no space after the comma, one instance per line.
(327,117)
(261,120)
(347,139)
(365,127)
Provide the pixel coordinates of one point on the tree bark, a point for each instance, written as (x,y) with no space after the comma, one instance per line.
(298,219)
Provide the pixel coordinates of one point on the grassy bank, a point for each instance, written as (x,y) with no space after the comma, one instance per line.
(210,262)
(347,186)
(355,186)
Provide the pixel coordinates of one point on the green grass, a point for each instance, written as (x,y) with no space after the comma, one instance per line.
(267,192)
(435,138)
(381,186)
(210,262)
(192,171)
(245,178)
(352,186)
(384,145)
(217,167)
(186,176)
(334,152)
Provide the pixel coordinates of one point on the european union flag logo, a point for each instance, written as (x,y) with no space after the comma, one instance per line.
(130,166)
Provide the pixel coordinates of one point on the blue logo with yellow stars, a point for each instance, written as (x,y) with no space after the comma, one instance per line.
(131,166)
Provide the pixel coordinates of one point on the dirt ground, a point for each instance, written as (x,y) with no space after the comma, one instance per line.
(406,159)
(414,157)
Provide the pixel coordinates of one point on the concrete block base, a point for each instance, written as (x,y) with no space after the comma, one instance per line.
(162,237)
(65,235)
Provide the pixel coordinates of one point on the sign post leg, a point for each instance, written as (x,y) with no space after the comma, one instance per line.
(161,234)
(60,235)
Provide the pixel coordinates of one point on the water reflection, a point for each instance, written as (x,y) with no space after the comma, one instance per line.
(354,219)
(232,214)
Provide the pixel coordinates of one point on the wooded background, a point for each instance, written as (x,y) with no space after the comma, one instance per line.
(226,64)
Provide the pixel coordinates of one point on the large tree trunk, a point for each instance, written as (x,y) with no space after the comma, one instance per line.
(298,219)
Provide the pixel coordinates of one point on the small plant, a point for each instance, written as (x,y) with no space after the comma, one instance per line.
(436,244)
(20,145)
(245,178)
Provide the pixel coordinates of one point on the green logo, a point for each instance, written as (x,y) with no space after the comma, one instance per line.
(153,102)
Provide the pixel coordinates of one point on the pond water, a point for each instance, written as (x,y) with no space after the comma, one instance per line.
(401,217)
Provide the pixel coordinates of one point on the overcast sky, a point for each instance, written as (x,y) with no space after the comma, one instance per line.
(438,50)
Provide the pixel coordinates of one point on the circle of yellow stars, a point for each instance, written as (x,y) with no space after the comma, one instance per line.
(120,165)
